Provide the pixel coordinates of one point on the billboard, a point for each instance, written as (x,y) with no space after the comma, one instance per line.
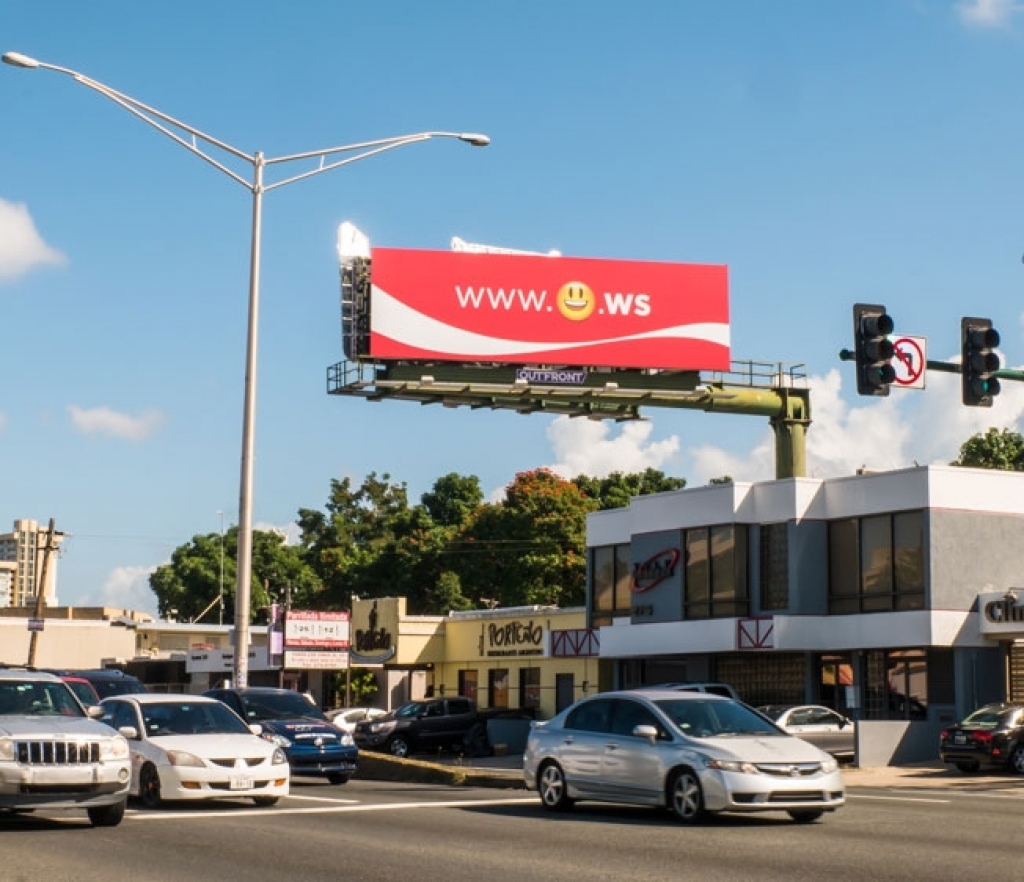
(527,309)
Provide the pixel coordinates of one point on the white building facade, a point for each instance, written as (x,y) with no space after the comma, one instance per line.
(866,593)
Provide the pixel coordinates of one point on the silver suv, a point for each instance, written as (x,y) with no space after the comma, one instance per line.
(53,755)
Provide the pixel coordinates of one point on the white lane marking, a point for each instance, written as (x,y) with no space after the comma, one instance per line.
(896,798)
(334,799)
(266,812)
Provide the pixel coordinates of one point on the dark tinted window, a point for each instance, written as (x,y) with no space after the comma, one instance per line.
(283,705)
(627,715)
(459,706)
(591,716)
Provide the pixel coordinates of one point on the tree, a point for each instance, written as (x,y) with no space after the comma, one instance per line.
(995,449)
(346,546)
(616,489)
(188,588)
(529,549)
(453,499)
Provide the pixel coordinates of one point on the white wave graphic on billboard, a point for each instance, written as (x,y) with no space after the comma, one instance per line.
(395,320)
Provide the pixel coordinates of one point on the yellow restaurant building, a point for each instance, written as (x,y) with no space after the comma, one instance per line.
(535,659)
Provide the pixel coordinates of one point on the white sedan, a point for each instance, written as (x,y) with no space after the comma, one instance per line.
(187,747)
(345,718)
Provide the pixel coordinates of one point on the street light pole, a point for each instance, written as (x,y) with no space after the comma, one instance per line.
(258,162)
(220,594)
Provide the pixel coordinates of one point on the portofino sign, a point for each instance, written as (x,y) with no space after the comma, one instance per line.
(517,638)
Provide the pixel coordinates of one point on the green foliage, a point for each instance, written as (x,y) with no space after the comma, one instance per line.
(191,582)
(449,552)
(615,490)
(996,449)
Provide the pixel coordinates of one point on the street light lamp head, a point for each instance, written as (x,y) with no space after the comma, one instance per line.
(16,59)
(477,140)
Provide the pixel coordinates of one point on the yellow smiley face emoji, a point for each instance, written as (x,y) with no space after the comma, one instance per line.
(575,301)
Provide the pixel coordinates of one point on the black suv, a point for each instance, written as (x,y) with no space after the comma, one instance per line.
(430,724)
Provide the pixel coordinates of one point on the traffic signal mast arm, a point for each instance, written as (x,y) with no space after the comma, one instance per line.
(948,367)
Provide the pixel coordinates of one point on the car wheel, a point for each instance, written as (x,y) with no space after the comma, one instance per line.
(554,792)
(265,800)
(967,768)
(806,817)
(149,787)
(1017,759)
(107,815)
(337,778)
(398,746)
(685,797)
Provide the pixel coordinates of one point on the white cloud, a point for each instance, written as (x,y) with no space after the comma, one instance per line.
(927,427)
(290,532)
(104,421)
(22,249)
(586,447)
(125,588)
(988,13)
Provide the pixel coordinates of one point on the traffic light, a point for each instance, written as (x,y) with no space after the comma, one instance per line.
(978,381)
(872,326)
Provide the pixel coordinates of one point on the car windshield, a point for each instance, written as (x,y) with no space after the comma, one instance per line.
(988,717)
(411,709)
(285,705)
(191,718)
(83,691)
(38,699)
(107,687)
(703,719)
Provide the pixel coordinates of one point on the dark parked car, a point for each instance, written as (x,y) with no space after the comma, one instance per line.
(107,681)
(992,736)
(430,724)
(313,744)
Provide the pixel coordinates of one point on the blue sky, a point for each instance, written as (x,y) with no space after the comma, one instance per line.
(827,153)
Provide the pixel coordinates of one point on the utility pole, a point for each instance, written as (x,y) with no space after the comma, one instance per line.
(41,587)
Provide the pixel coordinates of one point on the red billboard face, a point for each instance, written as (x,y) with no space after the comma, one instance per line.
(522,309)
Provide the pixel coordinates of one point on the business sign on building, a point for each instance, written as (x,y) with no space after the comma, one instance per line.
(1002,613)
(527,309)
(516,638)
(316,630)
(656,577)
(314,660)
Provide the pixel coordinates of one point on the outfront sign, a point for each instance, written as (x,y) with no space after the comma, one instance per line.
(524,309)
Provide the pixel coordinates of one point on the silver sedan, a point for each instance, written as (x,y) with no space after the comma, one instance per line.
(695,753)
(822,726)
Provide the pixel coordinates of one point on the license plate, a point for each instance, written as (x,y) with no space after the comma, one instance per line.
(239,782)
(959,738)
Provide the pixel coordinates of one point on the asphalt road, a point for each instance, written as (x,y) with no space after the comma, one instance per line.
(373,830)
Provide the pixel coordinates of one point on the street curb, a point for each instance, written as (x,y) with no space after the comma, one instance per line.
(383,767)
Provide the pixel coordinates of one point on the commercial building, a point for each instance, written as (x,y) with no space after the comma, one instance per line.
(889,596)
(27,547)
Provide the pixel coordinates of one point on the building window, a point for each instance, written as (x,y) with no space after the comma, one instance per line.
(715,579)
(876,563)
(896,685)
(529,687)
(467,683)
(609,583)
(774,569)
(497,687)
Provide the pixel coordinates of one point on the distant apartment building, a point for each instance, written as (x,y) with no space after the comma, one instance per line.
(26,548)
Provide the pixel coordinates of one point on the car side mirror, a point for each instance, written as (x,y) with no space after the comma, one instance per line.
(94,711)
(646,731)
(129,732)
(256,728)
